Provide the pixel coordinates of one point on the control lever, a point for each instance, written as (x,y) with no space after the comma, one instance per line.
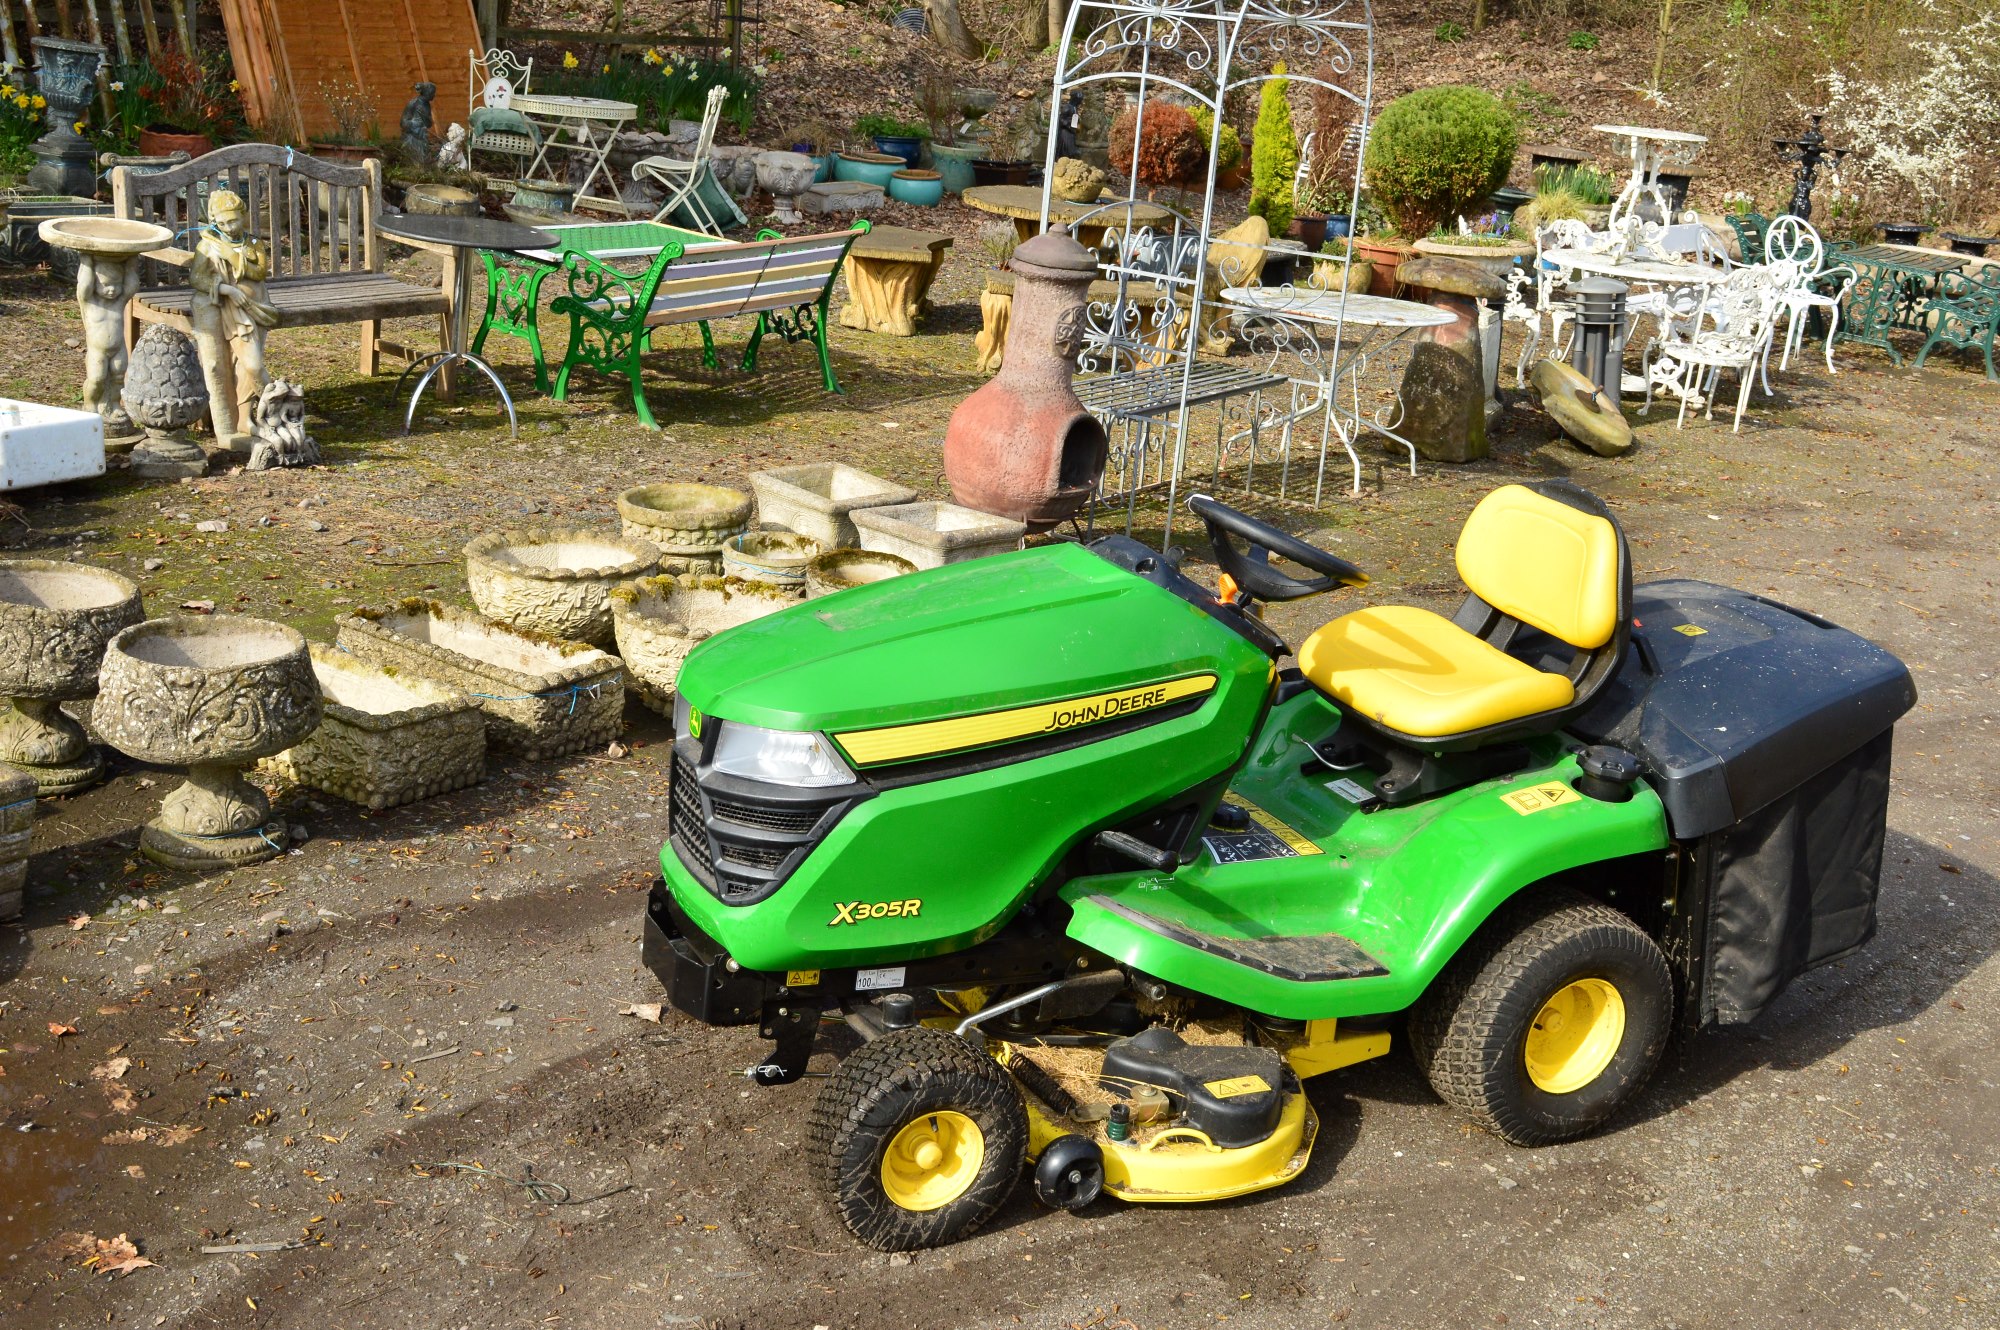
(1131,847)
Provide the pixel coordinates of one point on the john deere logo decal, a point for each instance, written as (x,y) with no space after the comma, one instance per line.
(899,743)
(694,723)
(855,912)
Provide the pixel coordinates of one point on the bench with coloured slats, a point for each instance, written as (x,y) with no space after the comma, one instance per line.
(785,281)
(318,218)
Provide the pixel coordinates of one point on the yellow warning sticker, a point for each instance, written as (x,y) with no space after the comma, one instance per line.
(1538,797)
(801,978)
(1690,630)
(1294,839)
(1237,1085)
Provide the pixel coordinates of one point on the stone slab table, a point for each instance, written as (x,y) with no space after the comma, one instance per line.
(889,276)
(1086,221)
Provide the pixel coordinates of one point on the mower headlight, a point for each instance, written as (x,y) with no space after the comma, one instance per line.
(780,757)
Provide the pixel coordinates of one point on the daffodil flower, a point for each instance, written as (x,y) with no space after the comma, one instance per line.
(234,86)
(80,126)
(117,85)
(726,53)
(569,60)
(652,56)
(38,101)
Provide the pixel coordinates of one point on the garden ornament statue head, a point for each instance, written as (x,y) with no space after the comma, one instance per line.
(227,214)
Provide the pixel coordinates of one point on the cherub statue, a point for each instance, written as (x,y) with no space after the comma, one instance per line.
(451,155)
(417,122)
(104,283)
(229,312)
(280,429)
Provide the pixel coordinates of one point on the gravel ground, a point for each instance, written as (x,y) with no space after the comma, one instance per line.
(308,1040)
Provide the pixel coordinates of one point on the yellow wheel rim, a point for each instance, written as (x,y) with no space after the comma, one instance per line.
(1575,1036)
(932,1161)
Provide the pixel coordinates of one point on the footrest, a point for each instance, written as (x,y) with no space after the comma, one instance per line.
(1302,958)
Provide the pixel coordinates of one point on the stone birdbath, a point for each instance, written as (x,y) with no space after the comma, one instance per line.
(1444,389)
(107,250)
(785,176)
(213,695)
(686,521)
(55,619)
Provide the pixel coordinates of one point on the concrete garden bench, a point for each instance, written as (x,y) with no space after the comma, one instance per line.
(889,275)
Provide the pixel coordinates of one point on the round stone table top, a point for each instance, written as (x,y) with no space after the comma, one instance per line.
(1331,307)
(1024,203)
(1657,271)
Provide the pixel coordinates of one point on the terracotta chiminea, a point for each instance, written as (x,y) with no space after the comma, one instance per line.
(1023,447)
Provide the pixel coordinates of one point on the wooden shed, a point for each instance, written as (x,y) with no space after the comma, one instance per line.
(291,54)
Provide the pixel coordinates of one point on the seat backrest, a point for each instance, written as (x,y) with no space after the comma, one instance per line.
(1793,240)
(497,75)
(317,216)
(1550,564)
(770,272)
(711,114)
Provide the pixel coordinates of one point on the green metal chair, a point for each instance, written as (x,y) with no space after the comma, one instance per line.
(1750,228)
(1965,314)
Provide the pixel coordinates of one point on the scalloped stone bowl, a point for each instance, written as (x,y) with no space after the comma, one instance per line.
(769,556)
(212,695)
(686,522)
(55,619)
(658,620)
(838,570)
(389,737)
(556,582)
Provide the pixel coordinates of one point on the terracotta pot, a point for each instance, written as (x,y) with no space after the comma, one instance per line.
(1234,178)
(1384,255)
(346,152)
(160,142)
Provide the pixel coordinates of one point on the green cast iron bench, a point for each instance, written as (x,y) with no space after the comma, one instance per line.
(1966,314)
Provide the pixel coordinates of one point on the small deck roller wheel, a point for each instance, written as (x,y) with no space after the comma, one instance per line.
(917,1139)
(1553,1015)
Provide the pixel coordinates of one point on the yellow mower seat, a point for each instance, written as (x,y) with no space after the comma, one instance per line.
(1533,560)
(1418,673)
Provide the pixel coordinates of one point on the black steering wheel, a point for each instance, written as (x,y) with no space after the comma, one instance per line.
(1251,568)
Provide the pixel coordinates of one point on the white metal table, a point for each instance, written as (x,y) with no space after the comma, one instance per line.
(1287,319)
(579,125)
(1651,272)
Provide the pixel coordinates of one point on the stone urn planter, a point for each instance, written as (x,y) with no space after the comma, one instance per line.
(931,535)
(213,695)
(388,738)
(1496,259)
(779,557)
(818,500)
(785,176)
(66,77)
(17,829)
(546,196)
(55,619)
(687,523)
(658,620)
(839,570)
(440,201)
(555,581)
(542,697)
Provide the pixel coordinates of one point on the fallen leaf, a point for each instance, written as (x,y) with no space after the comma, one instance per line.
(112,1070)
(58,1029)
(111,1256)
(1949,868)
(645,1011)
(121,1097)
(135,1170)
(78,922)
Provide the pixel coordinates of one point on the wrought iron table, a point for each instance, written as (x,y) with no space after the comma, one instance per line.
(1892,286)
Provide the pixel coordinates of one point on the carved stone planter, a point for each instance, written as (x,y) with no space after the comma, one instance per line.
(555,582)
(687,523)
(541,696)
(164,393)
(837,570)
(17,828)
(389,737)
(658,620)
(55,619)
(769,556)
(931,535)
(818,500)
(213,695)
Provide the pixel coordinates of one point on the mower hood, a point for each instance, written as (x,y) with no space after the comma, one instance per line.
(1040,625)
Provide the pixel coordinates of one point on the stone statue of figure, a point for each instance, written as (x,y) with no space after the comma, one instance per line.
(280,429)
(451,155)
(1068,121)
(230,314)
(104,283)
(417,121)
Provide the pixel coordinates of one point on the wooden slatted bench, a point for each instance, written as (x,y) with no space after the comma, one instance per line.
(785,281)
(318,218)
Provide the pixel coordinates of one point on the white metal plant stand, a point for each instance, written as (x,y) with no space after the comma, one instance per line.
(1642,211)
(584,126)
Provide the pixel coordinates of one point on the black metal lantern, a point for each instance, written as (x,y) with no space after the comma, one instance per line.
(1808,150)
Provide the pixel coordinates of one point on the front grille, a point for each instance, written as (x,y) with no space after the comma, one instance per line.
(766,817)
(685,825)
(766,857)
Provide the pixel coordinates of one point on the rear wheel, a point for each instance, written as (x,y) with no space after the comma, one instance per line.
(1552,1016)
(917,1139)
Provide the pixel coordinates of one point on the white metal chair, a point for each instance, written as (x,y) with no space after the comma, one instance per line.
(1703,335)
(495,76)
(1793,240)
(1545,281)
(682,179)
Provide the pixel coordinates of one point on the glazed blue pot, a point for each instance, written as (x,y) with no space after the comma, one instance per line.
(1339,224)
(867,167)
(922,188)
(908,147)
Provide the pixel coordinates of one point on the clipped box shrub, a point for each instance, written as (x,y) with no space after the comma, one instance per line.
(1436,153)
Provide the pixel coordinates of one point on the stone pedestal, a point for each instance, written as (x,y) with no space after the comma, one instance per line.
(65,161)
(164,394)
(889,274)
(55,619)
(17,828)
(1444,389)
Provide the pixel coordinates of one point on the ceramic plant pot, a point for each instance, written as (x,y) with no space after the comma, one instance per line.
(870,168)
(923,189)
(908,147)
(55,619)
(687,523)
(556,581)
(213,695)
(658,620)
(542,697)
(989,171)
(839,570)
(165,142)
(779,557)
(954,165)
(387,738)
(818,500)
(544,195)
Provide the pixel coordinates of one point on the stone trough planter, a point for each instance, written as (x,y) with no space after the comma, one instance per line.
(931,535)
(658,620)
(388,737)
(687,523)
(541,696)
(838,570)
(17,828)
(557,581)
(769,556)
(818,500)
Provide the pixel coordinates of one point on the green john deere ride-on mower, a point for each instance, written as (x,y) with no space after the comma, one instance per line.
(1099,883)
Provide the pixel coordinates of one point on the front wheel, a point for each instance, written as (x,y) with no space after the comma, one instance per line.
(917,1139)
(1554,1014)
